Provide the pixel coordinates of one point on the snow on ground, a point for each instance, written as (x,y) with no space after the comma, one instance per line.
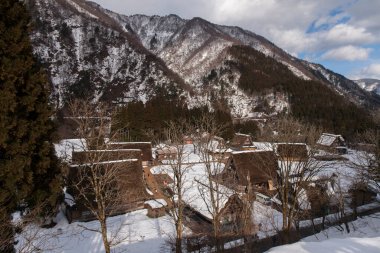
(363,237)
(139,233)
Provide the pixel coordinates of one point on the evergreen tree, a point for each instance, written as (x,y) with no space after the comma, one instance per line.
(28,169)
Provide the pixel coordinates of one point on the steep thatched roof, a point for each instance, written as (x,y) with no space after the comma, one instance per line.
(91,156)
(127,177)
(146,148)
(261,166)
(329,140)
(292,150)
(240,140)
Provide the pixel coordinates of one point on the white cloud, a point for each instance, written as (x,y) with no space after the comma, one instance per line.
(294,41)
(347,34)
(371,71)
(347,53)
(285,23)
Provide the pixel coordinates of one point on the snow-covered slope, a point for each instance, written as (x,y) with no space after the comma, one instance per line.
(363,237)
(89,56)
(371,85)
(93,52)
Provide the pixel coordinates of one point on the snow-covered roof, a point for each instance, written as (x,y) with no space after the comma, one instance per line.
(104,162)
(65,148)
(327,139)
(156,203)
(129,142)
(249,151)
(263,145)
(166,150)
(199,194)
(69,200)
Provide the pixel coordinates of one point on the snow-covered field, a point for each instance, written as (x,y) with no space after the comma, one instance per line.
(363,237)
(138,233)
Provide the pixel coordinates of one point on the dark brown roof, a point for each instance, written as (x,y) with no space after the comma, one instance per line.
(93,156)
(162,178)
(292,150)
(261,166)
(128,178)
(146,148)
(240,140)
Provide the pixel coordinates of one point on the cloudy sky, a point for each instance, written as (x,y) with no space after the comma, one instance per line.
(343,35)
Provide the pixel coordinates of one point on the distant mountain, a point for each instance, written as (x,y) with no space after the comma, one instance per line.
(98,54)
(371,85)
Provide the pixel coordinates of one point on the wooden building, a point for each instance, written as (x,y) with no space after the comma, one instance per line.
(257,167)
(292,151)
(166,153)
(332,143)
(91,156)
(242,142)
(145,147)
(125,182)
(156,207)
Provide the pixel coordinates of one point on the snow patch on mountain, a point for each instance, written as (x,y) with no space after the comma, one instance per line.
(371,85)
(81,10)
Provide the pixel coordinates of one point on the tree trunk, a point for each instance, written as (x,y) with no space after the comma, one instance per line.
(178,241)
(107,246)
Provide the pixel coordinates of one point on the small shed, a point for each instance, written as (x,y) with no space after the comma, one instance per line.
(333,143)
(361,194)
(156,207)
(242,142)
(166,153)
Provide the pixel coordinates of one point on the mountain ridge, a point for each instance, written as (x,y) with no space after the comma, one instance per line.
(150,53)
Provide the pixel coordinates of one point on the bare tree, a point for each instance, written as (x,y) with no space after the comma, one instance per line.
(295,146)
(367,162)
(98,183)
(212,153)
(178,168)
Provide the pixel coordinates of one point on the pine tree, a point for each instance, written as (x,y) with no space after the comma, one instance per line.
(28,169)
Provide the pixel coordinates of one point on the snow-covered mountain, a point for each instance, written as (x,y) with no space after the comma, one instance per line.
(371,85)
(96,53)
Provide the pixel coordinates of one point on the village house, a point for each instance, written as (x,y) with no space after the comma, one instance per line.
(156,207)
(90,156)
(218,149)
(242,142)
(332,143)
(292,151)
(128,179)
(166,153)
(361,194)
(231,208)
(255,166)
(145,147)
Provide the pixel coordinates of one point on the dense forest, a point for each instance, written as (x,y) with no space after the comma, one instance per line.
(310,101)
(139,121)
(29,171)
